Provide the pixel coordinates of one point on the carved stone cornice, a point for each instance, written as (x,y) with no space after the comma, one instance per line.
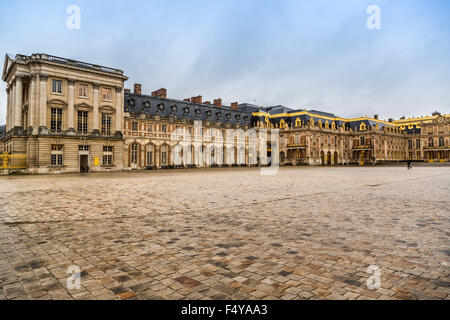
(43,77)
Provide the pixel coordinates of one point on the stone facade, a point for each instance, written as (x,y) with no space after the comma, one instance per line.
(62,114)
(71,116)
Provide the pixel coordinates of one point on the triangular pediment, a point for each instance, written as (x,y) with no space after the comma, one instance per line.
(7,66)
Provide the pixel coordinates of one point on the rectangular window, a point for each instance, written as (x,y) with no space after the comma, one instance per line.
(55,120)
(164,128)
(83,90)
(57,86)
(57,154)
(107,155)
(418,143)
(83,148)
(410,144)
(297,139)
(82,121)
(106,92)
(150,127)
(134,126)
(164,157)
(106,124)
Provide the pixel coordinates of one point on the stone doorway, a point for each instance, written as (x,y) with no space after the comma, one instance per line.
(84,163)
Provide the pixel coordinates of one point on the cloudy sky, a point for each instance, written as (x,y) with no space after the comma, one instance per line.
(313,54)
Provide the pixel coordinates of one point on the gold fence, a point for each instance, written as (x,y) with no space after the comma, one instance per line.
(13,161)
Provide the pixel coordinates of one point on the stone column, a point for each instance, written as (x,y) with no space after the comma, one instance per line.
(71,108)
(18,104)
(119,111)
(32,104)
(95,126)
(12,105)
(8,108)
(43,104)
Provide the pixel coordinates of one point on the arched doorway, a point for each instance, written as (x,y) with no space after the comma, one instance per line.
(282,156)
(329,158)
(335,157)
(322,158)
(361,158)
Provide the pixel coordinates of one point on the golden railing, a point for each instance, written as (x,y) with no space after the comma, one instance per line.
(13,161)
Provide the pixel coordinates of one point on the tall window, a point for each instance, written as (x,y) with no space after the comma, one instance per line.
(107,155)
(430,142)
(134,126)
(362,141)
(164,152)
(106,92)
(417,143)
(441,141)
(410,144)
(106,124)
(57,86)
(164,128)
(55,120)
(150,155)
(150,127)
(83,90)
(82,121)
(134,153)
(57,154)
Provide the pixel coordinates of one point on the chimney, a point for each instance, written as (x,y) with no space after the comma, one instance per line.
(218,102)
(375,116)
(207,102)
(127,90)
(137,88)
(187,100)
(160,93)
(391,120)
(234,105)
(197,99)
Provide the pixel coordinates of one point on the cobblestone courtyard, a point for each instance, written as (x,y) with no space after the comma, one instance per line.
(305,233)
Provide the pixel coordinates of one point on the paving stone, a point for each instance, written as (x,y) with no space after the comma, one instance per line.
(330,225)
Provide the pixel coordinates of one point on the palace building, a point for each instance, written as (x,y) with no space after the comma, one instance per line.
(65,115)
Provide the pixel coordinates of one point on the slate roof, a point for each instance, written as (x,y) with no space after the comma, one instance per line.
(153,106)
(2,130)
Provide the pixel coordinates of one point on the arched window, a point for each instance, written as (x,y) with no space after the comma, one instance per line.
(150,154)
(298,122)
(441,141)
(430,142)
(134,153)
(164,154)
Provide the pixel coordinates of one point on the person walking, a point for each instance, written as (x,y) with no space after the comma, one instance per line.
(408,163)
